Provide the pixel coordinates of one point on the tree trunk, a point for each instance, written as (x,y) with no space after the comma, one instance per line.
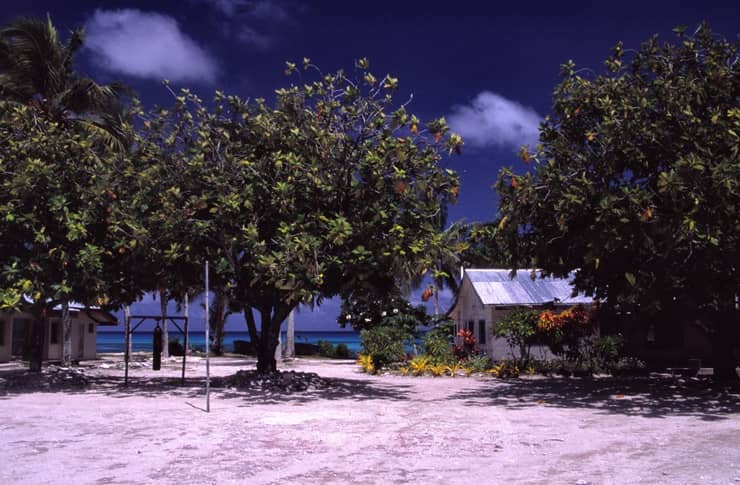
(267,339)
(266,363)
(437,286)
(165,335)
(265,353)
(36,340)
(218,320)
(66,335)
(723,345)
(290,336)
(279,348)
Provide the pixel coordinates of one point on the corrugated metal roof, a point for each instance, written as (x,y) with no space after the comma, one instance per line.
(109,318)
(496,287)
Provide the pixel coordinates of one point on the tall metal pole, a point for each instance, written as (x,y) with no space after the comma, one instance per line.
(185,337)
(127,332)
(208,363)
(163,300)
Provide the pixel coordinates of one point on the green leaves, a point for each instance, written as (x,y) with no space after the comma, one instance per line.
(631,279)
(640,179)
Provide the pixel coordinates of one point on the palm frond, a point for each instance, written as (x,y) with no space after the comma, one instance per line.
(37,68)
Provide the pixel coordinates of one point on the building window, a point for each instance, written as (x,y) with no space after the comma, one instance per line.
(2,333)
(471,326)
(481,331)
(54,332)
(90,328)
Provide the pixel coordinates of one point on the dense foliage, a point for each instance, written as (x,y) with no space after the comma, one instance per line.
(520,329)
(333,191)
(636,185)
(63,138)
(384,345)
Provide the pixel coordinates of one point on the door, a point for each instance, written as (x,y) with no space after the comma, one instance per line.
(21,328)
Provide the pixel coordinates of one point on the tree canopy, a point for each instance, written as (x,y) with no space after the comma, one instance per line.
(63,136)
(636,183)
(331,191)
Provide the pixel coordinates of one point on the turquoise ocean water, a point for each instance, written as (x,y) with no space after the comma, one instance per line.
(142,340)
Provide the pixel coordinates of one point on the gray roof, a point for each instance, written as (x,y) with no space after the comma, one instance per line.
(496,287)
(107,317)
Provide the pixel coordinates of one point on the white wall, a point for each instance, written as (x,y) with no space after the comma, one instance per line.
(7,337)
(469,307)
(80,334)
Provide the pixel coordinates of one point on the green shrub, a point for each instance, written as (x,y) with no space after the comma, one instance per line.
(175,347)
(385,345)
(243,347)
(438,344)
(342,351)
(478,363)
(302,348)
(627,365)
(519,328)
(326,349)
(601,353)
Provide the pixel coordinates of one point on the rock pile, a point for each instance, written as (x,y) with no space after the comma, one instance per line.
(51,378)
(283,382)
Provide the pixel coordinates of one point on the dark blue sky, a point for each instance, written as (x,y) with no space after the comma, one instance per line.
(489,68)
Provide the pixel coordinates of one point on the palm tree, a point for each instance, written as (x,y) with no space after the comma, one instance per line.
(36,69)
(446,260)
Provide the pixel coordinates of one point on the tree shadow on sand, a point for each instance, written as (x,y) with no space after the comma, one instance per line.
(652,397)
(156,387)
(336,389)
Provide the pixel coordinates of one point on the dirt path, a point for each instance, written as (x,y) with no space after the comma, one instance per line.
(365,429)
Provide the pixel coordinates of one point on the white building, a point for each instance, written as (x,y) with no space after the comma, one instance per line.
(14,328)
(487,295)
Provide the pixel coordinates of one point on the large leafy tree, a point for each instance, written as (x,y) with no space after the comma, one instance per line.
(636,186)
(332,189)
(61,133)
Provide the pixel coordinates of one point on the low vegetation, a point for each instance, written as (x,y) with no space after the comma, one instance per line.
(569,334)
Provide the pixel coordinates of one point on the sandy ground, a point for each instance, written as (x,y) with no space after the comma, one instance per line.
(367,429)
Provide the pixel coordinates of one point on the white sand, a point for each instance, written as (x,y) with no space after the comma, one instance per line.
(367,429)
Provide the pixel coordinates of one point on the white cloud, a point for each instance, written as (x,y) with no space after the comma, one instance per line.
(228,7)
(146,45)
(250,36)
(251,22)
(492,120)
(269,10)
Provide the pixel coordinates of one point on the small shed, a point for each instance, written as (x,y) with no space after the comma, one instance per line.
(15,328)
(487,295)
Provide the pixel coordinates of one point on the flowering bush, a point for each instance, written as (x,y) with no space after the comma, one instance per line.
(563,332)
(419,365)
(468,347)
(366,362)
(505,369)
